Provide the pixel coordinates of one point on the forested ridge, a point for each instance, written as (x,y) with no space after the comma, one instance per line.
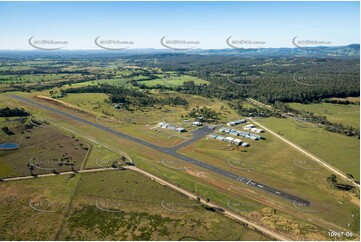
(286,79)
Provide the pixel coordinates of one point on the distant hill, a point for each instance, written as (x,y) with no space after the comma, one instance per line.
(352,50)
(321,51)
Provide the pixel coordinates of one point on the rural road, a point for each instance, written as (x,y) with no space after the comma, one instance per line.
(323,163)
(60,174)
(172,152)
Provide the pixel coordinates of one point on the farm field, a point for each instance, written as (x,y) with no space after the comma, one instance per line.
(34,209)
(123,205)
(337,150)
(63,154)
(348,115)
(173,81)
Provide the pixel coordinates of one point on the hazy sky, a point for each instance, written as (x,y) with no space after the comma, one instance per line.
(210,23)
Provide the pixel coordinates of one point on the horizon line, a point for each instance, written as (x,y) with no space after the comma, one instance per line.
(166,49)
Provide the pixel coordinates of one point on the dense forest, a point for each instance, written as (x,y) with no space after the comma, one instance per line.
(286,79)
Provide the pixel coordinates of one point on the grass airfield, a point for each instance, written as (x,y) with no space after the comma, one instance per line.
(123,205)
(216,187)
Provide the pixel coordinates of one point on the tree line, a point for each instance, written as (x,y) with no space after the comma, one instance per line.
(129,96)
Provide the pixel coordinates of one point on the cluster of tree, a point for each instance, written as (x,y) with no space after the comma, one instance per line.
(341,129)
(340,101)
(13,112)
(253,111)
(332,181)
(205,113)
(128,96)
(7,131)
(56,94)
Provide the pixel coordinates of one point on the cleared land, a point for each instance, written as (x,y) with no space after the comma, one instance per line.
(338,150)
(173,80)
(62,154)
(335,113)
(34,209)
(115,205)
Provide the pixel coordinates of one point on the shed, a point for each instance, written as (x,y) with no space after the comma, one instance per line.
(237,141)
(235,133)
(220,137)
(259,131)
(241,133)
(180,130)
(197,123)
(222,130)
(227,130)
(254,138)
(171,127)
(213,136)
(257,136)
(164,126)
(253,129)
(249,127)
(244,144)
(229,139)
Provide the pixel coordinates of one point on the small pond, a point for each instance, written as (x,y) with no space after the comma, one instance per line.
(9,146)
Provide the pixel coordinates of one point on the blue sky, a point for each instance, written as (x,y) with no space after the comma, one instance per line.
(210,23)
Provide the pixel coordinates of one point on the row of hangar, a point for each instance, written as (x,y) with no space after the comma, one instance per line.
(230,140)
